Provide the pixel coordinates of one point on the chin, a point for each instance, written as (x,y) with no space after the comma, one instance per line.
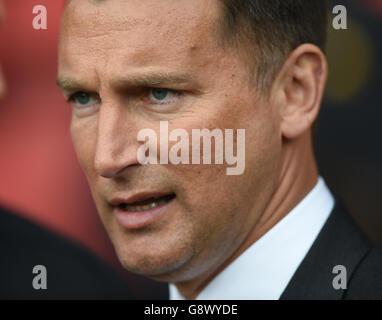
(157,253)
(157,264)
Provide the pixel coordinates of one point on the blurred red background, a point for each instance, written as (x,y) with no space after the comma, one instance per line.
(40,176)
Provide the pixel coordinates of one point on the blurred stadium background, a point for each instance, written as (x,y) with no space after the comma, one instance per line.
(40,176)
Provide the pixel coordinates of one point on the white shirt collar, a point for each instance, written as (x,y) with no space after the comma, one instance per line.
(264,270)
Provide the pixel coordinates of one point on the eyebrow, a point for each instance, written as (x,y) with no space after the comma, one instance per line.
(137,81)
(154,79)
(68,84)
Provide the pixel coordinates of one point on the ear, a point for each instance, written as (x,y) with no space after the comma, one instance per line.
(301,83)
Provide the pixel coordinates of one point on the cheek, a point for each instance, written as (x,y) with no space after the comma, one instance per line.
(207,189)
(84,137)
(210,196)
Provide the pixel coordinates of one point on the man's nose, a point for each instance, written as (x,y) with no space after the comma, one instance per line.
(116,147)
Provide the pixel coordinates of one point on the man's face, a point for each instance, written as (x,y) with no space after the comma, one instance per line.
(115,52)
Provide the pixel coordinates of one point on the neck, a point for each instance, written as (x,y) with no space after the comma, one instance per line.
(298,175)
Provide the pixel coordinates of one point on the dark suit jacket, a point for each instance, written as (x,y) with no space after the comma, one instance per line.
(72,271)
(340,242)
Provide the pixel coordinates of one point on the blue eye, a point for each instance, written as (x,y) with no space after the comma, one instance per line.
(82,98)
(160,94)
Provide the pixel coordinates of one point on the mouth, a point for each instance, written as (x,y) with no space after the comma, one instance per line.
(142,209)
(147,204)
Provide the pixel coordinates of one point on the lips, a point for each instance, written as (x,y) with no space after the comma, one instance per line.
(149,203)
(141,209)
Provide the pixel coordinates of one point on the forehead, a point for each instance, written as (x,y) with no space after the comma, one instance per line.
(128,14)
(137,31)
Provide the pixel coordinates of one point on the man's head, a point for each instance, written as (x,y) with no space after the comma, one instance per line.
(126,65)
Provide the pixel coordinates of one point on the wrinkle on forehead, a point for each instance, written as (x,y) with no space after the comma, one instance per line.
(164,17)
(138,31)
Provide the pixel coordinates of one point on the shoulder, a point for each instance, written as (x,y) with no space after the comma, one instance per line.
(366,280)
(72,271)
(340,242)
